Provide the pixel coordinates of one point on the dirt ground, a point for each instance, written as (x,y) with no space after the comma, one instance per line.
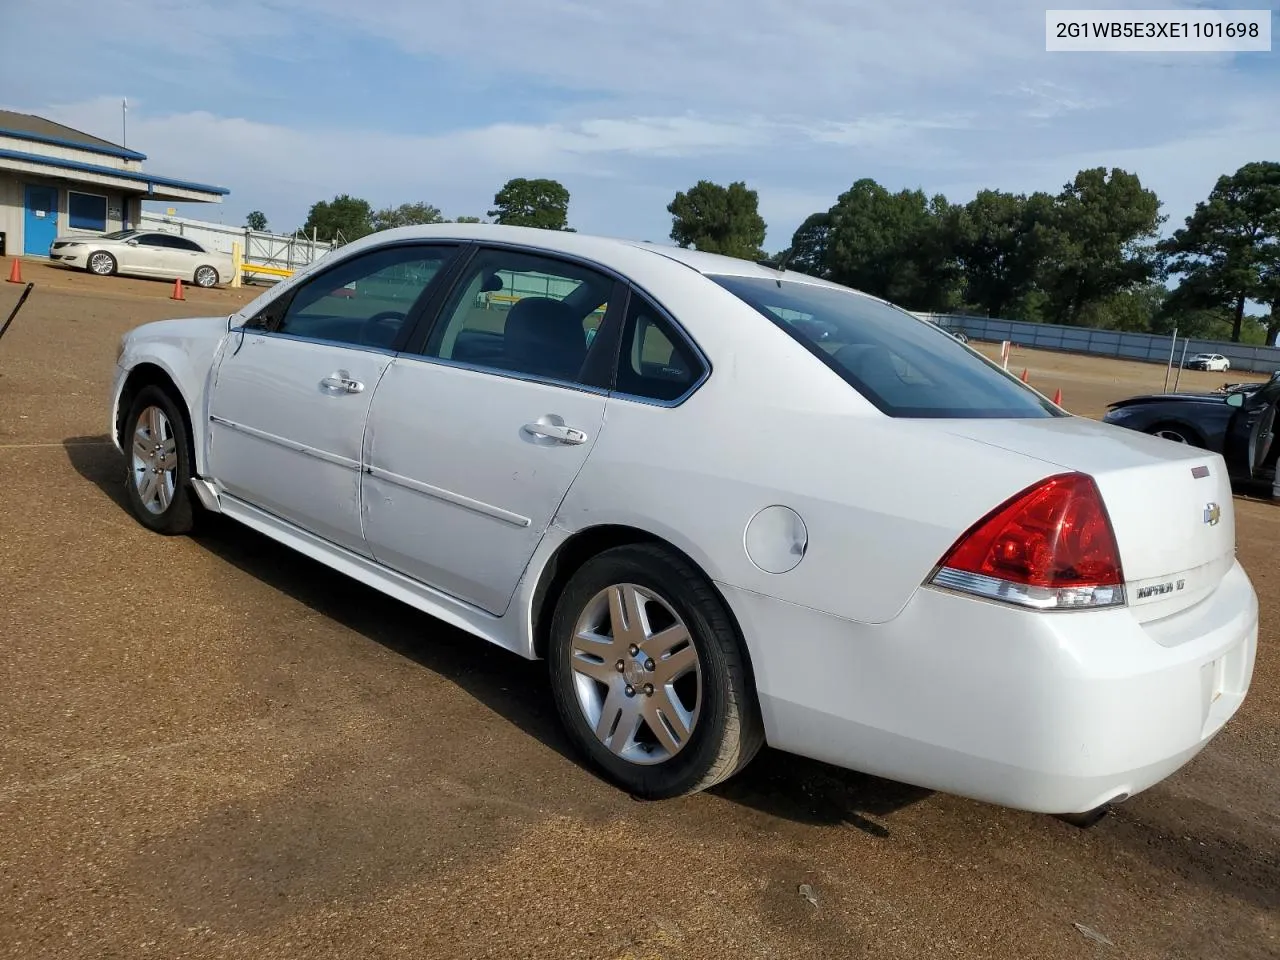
(211,747)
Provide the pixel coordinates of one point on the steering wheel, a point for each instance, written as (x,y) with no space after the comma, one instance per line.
(386,316)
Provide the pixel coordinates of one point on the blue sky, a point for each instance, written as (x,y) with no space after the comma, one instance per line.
(627,101)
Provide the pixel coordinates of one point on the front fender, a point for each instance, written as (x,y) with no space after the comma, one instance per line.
(186,351)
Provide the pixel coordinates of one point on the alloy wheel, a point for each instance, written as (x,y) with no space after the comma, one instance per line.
(637,674)
(155,460)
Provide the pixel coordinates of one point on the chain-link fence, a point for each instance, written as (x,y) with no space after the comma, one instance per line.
(1146,347)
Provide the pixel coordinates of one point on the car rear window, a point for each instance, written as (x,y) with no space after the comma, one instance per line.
(905,366)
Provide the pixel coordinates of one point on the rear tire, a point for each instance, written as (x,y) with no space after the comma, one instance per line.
(1086,819)
(206,277)
(690,719)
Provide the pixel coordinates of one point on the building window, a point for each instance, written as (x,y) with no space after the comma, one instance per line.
(87,211)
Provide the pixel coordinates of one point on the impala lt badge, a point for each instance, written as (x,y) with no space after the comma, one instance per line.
(1212,514)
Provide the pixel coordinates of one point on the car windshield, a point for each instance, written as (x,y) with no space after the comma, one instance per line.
(906,367)
(120,235)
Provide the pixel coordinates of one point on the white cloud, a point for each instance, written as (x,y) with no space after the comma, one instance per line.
(799,98)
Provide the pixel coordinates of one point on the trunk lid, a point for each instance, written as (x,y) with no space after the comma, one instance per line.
(1170,504)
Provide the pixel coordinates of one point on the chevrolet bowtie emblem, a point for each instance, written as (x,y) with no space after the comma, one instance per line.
(1212,514)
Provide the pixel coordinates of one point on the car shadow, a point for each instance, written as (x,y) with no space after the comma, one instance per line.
(775,783)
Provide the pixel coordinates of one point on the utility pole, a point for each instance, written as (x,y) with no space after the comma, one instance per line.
(124,122)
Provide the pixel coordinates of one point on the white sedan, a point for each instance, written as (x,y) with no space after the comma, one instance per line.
(143,253)
(1209,361)
(728,505)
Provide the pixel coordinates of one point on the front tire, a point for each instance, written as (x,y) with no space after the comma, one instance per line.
(1176,433)
(649,676)
(158,463)
(101,263)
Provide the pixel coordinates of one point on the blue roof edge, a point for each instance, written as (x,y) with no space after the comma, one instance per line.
(122,152)
(146,178)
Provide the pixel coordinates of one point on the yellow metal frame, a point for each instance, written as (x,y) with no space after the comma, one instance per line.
(241,268)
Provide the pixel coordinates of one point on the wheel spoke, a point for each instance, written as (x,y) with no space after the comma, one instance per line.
(148,491)
(626,614)
(619,720)
(591,642)
(669,667)
(155,424)
(586,664)
(663,706)
(664,641)
(142,447)
(164,490)
(624,735)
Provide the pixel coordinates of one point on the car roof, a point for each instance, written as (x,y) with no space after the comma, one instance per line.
(613,252)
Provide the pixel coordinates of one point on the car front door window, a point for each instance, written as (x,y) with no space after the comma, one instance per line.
(288,413)
(366,301)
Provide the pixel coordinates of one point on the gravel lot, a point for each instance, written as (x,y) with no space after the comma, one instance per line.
(212,747)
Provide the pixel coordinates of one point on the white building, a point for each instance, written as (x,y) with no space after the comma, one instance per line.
(56,180)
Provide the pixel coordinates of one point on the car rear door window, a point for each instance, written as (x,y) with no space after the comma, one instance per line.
(524,313)
(655,362)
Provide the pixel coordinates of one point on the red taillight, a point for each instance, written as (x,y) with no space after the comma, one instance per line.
(1050,546)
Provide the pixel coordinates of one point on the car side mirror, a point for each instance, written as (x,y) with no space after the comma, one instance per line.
(1235,400)
(132,243)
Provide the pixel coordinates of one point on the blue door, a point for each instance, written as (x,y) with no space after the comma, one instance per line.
(41,225)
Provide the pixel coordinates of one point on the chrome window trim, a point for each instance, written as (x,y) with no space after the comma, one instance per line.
(363,348)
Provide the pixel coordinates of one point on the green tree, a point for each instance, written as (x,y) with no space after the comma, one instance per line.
(406,215)
(344,217)
(808,250)
(256,220)
(718,219)
(997,247)
(532,203)
(893,245)
(1228,252)
(1099,241)
(1134,311)
(466,220)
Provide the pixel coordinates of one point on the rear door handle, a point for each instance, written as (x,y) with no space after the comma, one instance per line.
(556,431)
(341,380)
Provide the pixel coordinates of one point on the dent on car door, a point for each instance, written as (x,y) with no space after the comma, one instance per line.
(476,436)
(293,389)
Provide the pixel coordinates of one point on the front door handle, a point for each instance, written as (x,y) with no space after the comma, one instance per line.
(341,380)
(558,432)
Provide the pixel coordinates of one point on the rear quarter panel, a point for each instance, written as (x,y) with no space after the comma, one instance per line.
(882,499)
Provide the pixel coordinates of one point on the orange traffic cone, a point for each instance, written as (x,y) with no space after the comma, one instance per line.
(1024,374)
(177,290)
(15,272)
(1057,397)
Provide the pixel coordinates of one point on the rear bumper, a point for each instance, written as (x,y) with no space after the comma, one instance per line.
(1056,713)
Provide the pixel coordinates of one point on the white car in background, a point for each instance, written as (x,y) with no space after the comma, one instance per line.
(144,253)
(729,505)
(1209,361)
